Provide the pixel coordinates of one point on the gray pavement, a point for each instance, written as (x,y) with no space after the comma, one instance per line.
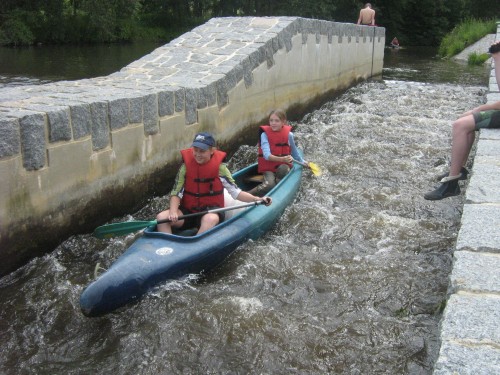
(481,46)
(470,327)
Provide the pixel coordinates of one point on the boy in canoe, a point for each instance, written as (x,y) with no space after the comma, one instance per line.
(199,186)
(277,152)
(485,116)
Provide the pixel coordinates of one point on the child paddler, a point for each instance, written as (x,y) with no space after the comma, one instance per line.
(199,186)
(277,151)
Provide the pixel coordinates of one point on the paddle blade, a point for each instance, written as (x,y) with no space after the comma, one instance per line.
(315,169)
(119,229)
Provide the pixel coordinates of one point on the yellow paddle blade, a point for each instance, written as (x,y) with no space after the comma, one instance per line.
(315,169)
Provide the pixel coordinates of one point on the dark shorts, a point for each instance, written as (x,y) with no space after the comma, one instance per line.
(487,119)
(195,221)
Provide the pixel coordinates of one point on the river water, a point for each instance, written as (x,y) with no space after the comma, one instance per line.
(42,64)
(352,280)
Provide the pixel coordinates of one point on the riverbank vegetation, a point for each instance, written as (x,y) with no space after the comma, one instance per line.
(418,23)
(463,35)
(475,58)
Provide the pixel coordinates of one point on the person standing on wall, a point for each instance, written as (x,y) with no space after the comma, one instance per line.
(463,133)
(367,16)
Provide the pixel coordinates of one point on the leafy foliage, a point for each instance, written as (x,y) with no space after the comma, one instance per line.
(15,32)
(422,22)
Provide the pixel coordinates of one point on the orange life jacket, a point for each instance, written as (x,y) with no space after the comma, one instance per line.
(203,188)
(278,142)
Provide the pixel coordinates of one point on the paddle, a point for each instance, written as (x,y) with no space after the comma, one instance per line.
(118,229)
(315,169)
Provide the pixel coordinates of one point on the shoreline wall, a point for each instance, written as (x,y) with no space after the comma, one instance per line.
(74,154)
(470,326)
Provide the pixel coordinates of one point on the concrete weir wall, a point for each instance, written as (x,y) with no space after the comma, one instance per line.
(75,153)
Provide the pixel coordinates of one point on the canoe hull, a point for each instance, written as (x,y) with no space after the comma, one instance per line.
(157,257)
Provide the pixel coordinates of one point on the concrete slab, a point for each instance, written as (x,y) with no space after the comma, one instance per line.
(472,319)
(485,180)
(475,272)
(467,360)
(480,230)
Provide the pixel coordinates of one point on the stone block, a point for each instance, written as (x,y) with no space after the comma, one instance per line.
(256,58)
(472,318)
(247,71)
(33,141)
(475,272)
(100,127)
(483,185)
(457,359)
(479,229)
(150,114)
(222,96)
(234,76)
(10,144)
(179,100)
(202,100)
(210,92)
(191,106)
(269,54)
(486,148)
(118,113)
(165,103)
(493,134)
(493,96)
(81,120)
(59,125)
(135,110)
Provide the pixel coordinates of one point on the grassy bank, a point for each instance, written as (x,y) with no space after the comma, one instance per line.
(466,33)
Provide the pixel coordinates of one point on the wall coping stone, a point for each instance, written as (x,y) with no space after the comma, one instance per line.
(193,71)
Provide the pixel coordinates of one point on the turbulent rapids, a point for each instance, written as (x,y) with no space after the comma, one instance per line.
(352,279)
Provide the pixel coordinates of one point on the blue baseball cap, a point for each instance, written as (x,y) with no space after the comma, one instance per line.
(203,141)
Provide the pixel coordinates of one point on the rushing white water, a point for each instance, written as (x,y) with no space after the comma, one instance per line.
(352,280)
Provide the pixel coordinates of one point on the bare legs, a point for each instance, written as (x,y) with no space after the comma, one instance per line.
(207,221)
(270,180)
(167,227)
(463,135)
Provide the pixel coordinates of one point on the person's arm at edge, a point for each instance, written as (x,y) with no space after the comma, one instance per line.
(264,145)
(233,189)
(247,197)
(293,148)
(483,107)
(176,194)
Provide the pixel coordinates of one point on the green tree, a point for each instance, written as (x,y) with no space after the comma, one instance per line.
(414,22)
(483,9)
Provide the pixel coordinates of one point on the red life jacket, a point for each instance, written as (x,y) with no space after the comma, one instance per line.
(278,142)
(202,188)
